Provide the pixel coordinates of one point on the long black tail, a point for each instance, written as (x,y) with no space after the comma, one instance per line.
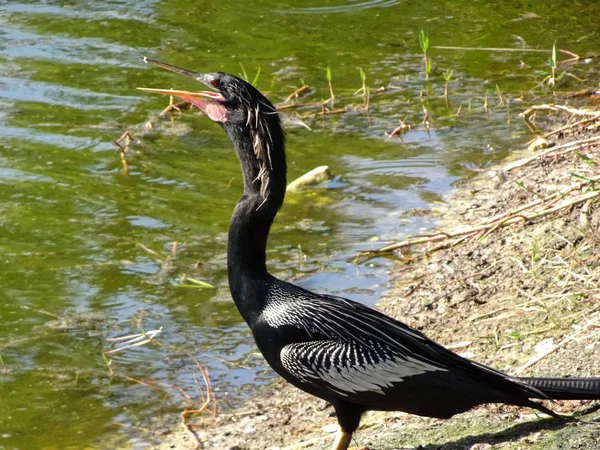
(567,388)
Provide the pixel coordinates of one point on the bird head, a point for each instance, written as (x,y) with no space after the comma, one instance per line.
(250,120)
(229,95)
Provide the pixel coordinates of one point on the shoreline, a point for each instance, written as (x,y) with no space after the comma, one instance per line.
(520,298)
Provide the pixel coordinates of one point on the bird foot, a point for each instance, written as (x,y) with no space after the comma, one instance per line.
(342,441)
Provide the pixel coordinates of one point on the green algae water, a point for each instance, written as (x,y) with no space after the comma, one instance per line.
(89,253)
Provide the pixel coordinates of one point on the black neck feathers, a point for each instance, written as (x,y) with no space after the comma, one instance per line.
(260,147)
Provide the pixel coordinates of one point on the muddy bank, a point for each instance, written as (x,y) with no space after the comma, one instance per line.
(520,293)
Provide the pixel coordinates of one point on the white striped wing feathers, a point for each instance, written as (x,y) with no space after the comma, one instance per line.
(350,367)
(354,349)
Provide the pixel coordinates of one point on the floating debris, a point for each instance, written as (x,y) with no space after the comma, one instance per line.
(315,176)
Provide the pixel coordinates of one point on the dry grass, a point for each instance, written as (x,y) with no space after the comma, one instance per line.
(196,407)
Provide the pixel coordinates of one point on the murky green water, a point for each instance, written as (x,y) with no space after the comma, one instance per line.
(83,246)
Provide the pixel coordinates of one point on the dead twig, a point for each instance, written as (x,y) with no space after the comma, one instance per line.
(576,58)
(134,340)
(399,130)
(552,348)
(567,148)
(298,105)
(573,111)
(297,93)
(206,392)
(488,226)
(174,106)
(323,113)
(187,428)
(570,126)
(122,149)
(491,49)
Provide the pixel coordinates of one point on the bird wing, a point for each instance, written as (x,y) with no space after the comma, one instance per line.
(351,349)
(350,367)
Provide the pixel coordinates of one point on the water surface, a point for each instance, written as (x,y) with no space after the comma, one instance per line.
(87,251)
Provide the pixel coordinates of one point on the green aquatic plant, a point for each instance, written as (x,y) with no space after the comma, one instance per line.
(500,97)
(331,94)
(552,79)
(245,75)
(366,91)
(447,74)
(363,77)
(424,43)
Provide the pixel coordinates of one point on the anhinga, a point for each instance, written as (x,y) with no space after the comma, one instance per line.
(352,356)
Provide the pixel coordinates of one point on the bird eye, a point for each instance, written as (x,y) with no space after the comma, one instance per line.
(215,83)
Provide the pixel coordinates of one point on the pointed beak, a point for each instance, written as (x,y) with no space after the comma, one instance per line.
(192,97)
(188,96)
(211,102)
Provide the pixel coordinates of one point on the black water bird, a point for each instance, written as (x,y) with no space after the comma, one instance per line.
(352,356)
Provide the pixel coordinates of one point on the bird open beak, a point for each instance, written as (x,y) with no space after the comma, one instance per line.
(207,101)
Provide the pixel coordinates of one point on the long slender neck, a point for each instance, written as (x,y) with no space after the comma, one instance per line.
(264,190)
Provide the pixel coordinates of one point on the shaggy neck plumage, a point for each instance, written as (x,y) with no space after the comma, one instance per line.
(262,160)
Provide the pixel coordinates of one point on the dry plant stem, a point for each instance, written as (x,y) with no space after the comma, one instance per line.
(551,350)
(149,384)
(547,200)
(179,389)
(362,90)
(461,279)
(400,129)
(426,121)
(207,395)
(500,99)
(584,218)
(206,402)
(570,126)
(122,149)
(210,396)
(577,112)
(296,93)
(126,136)
(299,105)
(577,57)
(485,103)
(134,340)
(187,428)
(500,223)
(323,113)
(171,106)
(479,317)
(569,147)
(124,162)
(485,227)
(491,49)
(175,106)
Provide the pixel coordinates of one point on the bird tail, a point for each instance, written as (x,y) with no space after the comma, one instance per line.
(566,388)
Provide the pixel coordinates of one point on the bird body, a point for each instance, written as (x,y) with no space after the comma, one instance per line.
(350,355)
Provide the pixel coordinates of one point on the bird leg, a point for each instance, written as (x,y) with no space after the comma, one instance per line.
(342,440)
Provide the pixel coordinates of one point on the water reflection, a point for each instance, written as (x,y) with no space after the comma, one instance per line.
(346,7)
